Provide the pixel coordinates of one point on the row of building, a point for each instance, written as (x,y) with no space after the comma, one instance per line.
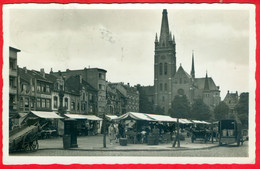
(84,91)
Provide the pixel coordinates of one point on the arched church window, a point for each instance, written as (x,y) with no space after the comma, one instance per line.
(160,68)
(165,87)
(165,68)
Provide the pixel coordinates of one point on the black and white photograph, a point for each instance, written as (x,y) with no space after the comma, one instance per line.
(129,83)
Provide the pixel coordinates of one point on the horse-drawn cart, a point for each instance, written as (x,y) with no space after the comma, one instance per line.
(24,138)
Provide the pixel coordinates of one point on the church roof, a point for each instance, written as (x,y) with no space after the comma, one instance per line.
(200,83)
(181,71)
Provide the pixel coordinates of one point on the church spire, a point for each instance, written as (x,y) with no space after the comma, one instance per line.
(192,73)
(165,33)
(156,38)
(206,84)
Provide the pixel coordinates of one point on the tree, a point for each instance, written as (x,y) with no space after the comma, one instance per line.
(242,108)
(200,111)
(221,111)
(145,106)
(180,107)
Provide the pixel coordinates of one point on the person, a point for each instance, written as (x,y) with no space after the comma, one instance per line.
(111,133)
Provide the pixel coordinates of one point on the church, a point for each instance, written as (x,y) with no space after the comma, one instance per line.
(170,81)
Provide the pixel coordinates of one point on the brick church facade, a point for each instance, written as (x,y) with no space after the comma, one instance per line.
(170,81)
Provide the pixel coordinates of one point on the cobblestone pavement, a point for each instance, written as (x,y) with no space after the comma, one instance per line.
(96,143)
(93,146)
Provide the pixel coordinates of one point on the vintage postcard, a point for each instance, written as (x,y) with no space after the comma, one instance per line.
(129,83)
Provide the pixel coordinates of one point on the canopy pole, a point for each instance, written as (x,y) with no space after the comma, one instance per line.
(177,138)
(104,130)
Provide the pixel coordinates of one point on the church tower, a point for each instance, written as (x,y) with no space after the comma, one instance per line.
(164,65)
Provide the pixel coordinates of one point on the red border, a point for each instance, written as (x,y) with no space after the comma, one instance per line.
(138,166)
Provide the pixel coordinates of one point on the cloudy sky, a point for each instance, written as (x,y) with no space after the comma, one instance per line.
(122,42)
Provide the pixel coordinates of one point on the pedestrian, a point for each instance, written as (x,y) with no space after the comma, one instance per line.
(111,133)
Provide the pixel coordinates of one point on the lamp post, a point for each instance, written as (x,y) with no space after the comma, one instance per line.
(177,138)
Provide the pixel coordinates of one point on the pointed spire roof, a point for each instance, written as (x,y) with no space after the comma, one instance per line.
(192,73)
(206,84)
(165,33)
(156,38)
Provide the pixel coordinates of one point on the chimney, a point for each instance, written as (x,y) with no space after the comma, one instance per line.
(51,71)
(25,69)
(42,72)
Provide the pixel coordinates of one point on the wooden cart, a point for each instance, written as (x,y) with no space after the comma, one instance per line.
(24,138)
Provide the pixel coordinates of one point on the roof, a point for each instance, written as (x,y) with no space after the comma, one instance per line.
(46,115)
(81,116)
(14,49)
(181,71)
(73,84)
(200,83)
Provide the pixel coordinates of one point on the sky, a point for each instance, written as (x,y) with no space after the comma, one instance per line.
(121,41)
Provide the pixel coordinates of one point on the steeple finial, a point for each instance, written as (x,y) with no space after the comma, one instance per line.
(156,38)
(192,73)
(206,85)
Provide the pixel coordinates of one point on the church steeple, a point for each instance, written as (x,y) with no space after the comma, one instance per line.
(192,73)
(206,84)
(165,33)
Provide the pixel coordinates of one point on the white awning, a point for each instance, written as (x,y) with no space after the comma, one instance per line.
(161,118)
(135,116)
(46,115)
(185,121)
(81,116)
(200,122)
(112,117)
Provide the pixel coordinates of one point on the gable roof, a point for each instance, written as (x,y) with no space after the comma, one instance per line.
(200,83)
(180,72)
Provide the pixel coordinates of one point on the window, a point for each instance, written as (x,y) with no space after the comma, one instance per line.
(43,88)
(78,106)
(83,106)
(163,99)
(38,88)
(11,82)
(101,76)
(33,88)
(165,87)
(161,87)
(47,103)
(55,103)
(99,86)
(160,68)
(43,103)
(21,102)
(180,80)
(165,68)
(72,105)
(32,103)
(47,88)
(23,87)
(38,102)
(66,103)
(26,103)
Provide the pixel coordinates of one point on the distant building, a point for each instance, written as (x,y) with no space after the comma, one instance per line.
(231,100)
(129,97)
(169,83)
(13,81)
(96,78)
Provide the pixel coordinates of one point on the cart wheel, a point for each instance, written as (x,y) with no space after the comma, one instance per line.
(26,147)
(34,145)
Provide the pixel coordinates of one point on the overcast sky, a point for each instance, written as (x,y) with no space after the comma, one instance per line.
(121,41)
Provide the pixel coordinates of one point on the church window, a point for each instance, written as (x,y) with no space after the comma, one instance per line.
(55,103)
(160,68)
(165,87)
(163,99)
(160,86)
(180,80)
(165,68)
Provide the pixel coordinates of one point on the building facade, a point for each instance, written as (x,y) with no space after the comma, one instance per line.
(96,78)
(13,80)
